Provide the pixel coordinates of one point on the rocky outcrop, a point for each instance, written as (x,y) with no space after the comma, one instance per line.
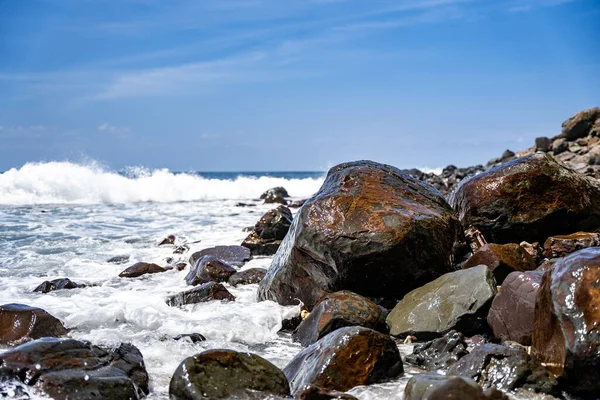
(502,259)
(227,374)
(370,229)
(438,387)
(439,353)
(458,301)
(562,245)
(504,368)
(141,268)
(512,312)
(232,255)
(68,369)
(528,199)
(249,276)
(335,311)
(269,231)
(345,358)
(202,293)
(20,323)
(582,124)
(209,269)
(57,284)
(566,334)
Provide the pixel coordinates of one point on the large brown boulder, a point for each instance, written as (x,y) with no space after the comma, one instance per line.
(528,199)
(581,124)
(370,229)
(566,335)
(269,231)
(20,323)
(502,259)
(71,369)
(348,357)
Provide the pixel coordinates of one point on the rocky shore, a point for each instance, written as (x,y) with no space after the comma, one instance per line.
(492,271)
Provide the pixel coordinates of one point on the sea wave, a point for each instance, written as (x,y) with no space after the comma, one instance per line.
(71,183)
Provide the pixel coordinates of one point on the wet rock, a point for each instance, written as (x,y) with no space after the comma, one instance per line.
(345,358)
(528,199)
(438,387)
(562,245)
(370,229)
(316,393)
(566,335)
(118,259)
(502,259)
(512,311)
(179,266)
(269,231)
(232,255)
(227,374)
(168,240)
(276,191)
(209,269)
(535,251)
(57,284)
(290,324)
(61,368)
(439,353)
(181,249)
(141,268)
(581,124)
(200,294)
(296,203)
(505,368)
(252,275)
(193,337)
(335,311)
(458,301)
(245,205)
(20,323)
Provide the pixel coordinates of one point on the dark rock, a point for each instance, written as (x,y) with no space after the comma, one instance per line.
(450,177)
(179,266)
(505,368)
(71,369)
(168,240)
(562,245)
(530,198)
(512,311)
(296,203)
(316,393)
(245,205)
(560,146)
(227,374)
(335,311)
(232,255)
(201,293)
(581,124)
(269,231)
(275,200)
(502,259)
(118,259)
(475,239)
(209,269)
(290,324)
(181,249)
(252,275)
(194,337)
(439,353)
(57,284)
(20,323)
(458,301)
(543,144)
(276,191)
(345,358)
(141,268)
(535,251)
(566,334)
(370,229)
(438,387)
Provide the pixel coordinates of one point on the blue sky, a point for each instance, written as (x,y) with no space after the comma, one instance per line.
(218,85)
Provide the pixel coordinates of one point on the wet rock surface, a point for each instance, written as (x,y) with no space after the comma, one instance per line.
(205,292)
(209,269)
(566,334)
(370,229)
(345,358)
(317,393)
(511,315)
(502,259)
(57,284)
(448,180)
(274,192)
(246,277)
(141,268)
(232,255)
(439,353)
(20,323)
(193,337)
(227,374)
(269,231)
(505,368)
(458,301)
(562,245)
(438,387)
(528,199)
(335,311)
(68,369)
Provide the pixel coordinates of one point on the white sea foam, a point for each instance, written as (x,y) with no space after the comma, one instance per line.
(69,183)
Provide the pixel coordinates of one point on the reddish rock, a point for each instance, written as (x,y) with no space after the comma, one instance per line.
(202,293)
(562,245)
(209,269)
(566,335)
(20,323)
(512,312)
(370,229)
(528,199)
(232,255)
(581,124)
(502,259)
(269,231)
(141,268)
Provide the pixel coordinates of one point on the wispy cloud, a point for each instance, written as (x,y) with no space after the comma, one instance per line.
(108,128)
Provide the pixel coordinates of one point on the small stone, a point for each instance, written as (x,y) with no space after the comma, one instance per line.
(193,337)
(168,240)
(118,259)
(246,277)
(57,284)
(439,353)
(141,268)
(209,269)
(201,293)
(562,245)
(502,259)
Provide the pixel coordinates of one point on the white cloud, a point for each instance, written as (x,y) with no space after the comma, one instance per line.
(106,127)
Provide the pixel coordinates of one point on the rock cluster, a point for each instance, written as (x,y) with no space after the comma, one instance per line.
(269,231)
